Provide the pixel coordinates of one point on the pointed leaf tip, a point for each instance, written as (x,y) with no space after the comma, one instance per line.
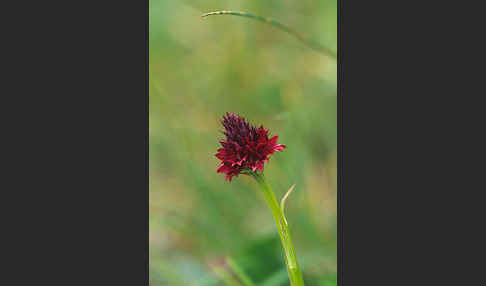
(282,202)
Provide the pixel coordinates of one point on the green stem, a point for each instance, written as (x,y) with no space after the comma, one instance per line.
(239,272)
(311,44)
(295,275)
(226,277)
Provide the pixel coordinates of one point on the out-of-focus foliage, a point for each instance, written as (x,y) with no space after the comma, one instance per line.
(201,68)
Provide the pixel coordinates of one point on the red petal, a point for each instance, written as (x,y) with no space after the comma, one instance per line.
(260,166)
(273,140)
(223,169)
(279,147)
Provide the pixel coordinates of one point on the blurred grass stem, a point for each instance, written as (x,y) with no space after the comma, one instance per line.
(311,44)
(239,272)
(295,275)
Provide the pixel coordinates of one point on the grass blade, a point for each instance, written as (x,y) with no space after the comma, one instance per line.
(311,44)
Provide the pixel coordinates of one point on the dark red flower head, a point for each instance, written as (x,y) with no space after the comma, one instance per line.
(245,148)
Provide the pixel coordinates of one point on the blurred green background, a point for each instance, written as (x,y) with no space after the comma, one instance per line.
(202,227)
